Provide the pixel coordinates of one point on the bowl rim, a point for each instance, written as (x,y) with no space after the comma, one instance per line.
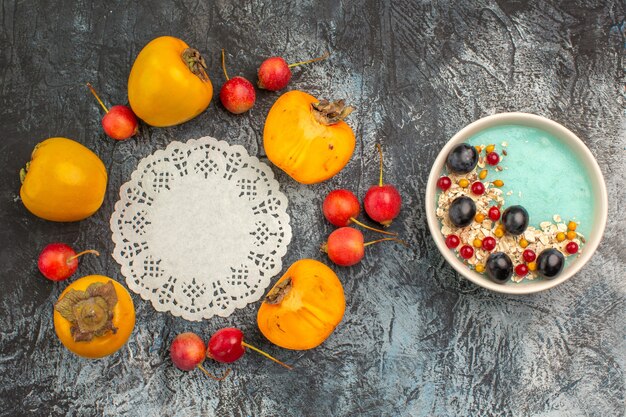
(562,133)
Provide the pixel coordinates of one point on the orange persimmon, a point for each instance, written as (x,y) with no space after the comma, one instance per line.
(94,316)
(307,138)
(63,182)
(168,83)
(304,306)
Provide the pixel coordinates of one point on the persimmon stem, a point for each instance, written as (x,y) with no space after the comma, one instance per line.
(93,91)
(92,251)
(259,351)
(380,152)
(224,66)
(210,375)
(395,239)
(355,221)
(319,58)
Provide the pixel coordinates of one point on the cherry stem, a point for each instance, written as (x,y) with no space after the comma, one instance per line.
(210,375)
(380,152)
(320,58)
(224,66)
(395,239)
(92,251)
(93,91)
(355,221)
(268,356)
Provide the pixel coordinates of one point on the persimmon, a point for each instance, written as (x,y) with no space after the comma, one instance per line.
(304,306)
(168,83)
(94,316)
(64,181)
(307,138)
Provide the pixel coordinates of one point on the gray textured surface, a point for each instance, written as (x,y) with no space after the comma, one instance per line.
(416,339)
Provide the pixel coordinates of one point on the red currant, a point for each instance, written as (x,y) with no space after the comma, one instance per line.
(494,213)
(571,248)
(521,270)
(452,241)
(529,255)
(489,243)
(478,188)
(493,158)
(444,183)
(466,251)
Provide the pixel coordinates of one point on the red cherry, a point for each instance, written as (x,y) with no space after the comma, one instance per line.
(227,345)
(466,251)
(494,213)
(521,270)
(478,188)
(571,248)
(237,94)
(382,202)
(345,246)
(452,241)
(188,352)
(489,243)
(444,183)
(119,122)
(341,207)
(58,261)
(274,73)
(493,158)
(529,255)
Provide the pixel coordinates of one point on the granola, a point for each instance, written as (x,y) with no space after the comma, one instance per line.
(536,239)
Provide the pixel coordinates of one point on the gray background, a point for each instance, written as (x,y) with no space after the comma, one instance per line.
(416,338)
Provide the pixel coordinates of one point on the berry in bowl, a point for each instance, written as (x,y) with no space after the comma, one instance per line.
(516,203)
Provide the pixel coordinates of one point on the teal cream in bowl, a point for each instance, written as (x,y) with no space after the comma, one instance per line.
(544,174)
(548,170)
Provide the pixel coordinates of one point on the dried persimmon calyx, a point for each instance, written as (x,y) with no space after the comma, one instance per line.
(90,312)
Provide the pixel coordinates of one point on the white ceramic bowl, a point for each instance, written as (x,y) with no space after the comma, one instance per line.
(598,189)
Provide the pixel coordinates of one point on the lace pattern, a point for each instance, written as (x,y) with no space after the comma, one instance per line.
(200,229)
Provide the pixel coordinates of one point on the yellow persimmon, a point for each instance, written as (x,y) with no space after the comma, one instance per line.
(64,181)
(304,306)
(94,316)
(168,83)
(307,138)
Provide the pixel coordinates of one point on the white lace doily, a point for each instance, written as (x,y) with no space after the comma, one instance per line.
(200,228)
